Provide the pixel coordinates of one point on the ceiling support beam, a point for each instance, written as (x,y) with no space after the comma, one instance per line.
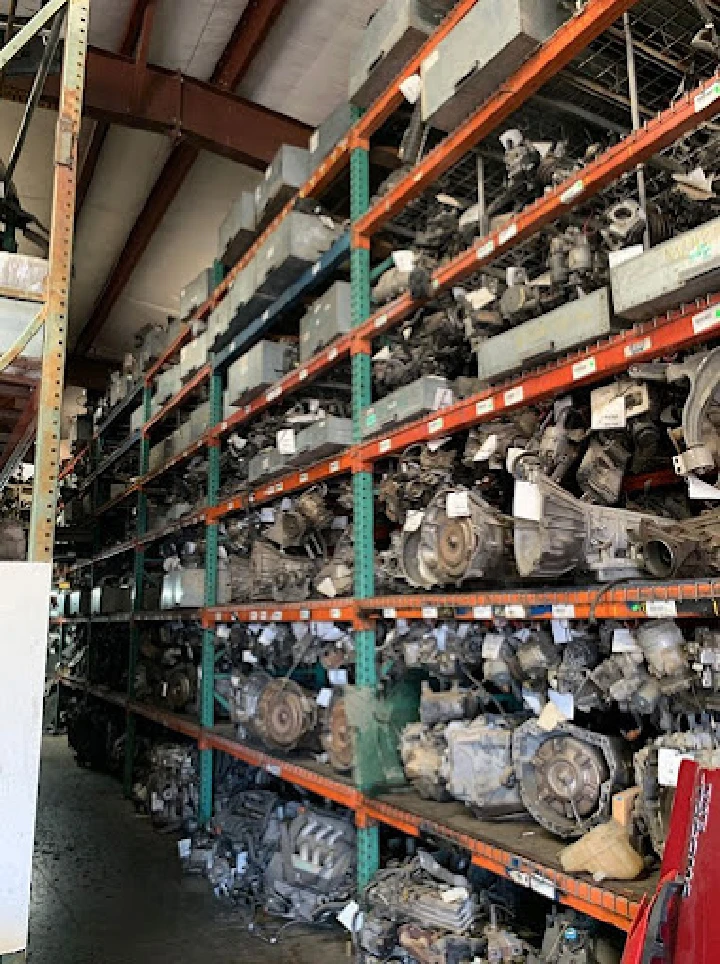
(137,24)
(154,99)
(247,38)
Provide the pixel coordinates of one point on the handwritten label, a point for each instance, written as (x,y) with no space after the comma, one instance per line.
(436,426)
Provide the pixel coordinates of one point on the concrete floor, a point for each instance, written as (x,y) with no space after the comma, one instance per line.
(107,889)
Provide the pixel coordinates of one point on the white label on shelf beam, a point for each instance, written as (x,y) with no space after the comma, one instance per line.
(482,612)
(485,250)
(253,616)
(389,613)
(302,374)
(384,446)
(263,615)
(380,321)
(273,769)
(660,608)
(273,393)
(332,354)
(638,347)
(316,268)
(507,234)
(334,466)
(563,611)
(429,612)
(543,886)
(436,426)
(303,478)
(574,191)
(709,96)
(277,616)
(485,407)
(304,614)
(581,369)
(515,612)
(706,320)
(513,396)
(519,877)
(336,613)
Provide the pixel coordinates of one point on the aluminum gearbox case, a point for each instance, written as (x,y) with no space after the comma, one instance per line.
(478,766)
(327,318)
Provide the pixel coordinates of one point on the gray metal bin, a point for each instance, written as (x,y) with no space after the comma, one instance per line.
(327,318)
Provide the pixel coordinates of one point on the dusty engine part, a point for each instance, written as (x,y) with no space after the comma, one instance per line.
(460,537)
(478,766)
(277,711)
(426,947)
(95,734)
(626,225)
(571,938)
(663,646)
(288,529)
(605,852)
(420,474)
(537,654)
(171,792)
(581,654)
(623,678)
(411,272)
(491,442)
(673,548)
(656,771)
(422,750)
(704,653)
(432,344)
(334,579)
(555,533)
(314,869)
(446,705)
(440,649)
(567,776)
(313,506)
(337,737)
(276,575)
(420,892)
(12,541)
(602,470)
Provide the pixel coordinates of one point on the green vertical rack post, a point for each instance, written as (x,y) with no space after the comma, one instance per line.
(368,850)
(207,684)
(139,597)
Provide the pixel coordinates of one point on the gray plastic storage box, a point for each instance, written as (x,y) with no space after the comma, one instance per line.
(327,318)
(674,273)
(288,172)
(196,292)
(193,356)
(329,134)
(199,421)
(298,243)
(183,436)
(322,439)
(238,230)
(395,32)
(569,326)
(267,464)
(257,369)
(425,395)
(485,48)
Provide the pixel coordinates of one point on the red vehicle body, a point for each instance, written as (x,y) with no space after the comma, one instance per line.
(681,924)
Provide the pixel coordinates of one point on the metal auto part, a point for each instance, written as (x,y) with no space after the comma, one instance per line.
(337,738)
(478,767)
(567,776)
(276,575)
(422,750)
(451,545)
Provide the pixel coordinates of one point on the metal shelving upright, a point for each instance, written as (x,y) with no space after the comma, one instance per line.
(691,324)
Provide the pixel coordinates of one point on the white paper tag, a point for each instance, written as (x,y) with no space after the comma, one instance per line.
(487,449)
(324,697)
(661,608)
(485,407)
(482,612)
(564,702)
(507,234)
(527,502)
(560,630)
(436,426)
(247,657)
(351,917)
(563,611)
(584,368)
(513,396)
(457,505)
(514,612)
(286,441)
(429,612)
(314,142)
(184,847)
(607,408)
(338,677)
(708,97)
(222,632)
(404,261)
(623,641)
(706,320)
(443,398)
(411,88)
(574,191)
(484,250)
(492,646)
(669,765)
(697,489)
(543,886)
(454,895)
(413,520)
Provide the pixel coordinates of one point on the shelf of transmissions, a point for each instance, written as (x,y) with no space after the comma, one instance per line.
(685,114)
(522,852)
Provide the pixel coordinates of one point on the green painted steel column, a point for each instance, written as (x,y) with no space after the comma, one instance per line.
(368,852)
(138,601)
(207,688)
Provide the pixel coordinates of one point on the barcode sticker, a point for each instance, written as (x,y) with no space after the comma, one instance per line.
(332,354)
(273,393)
(485,407)
(574,191)
(581,369)
(304,614)
(389,613)
(436,426)
(660,608)
(429,612)
(563,611)
(384,446)
(706,320)
(482,612)
(336,614)
(514,396)
(485,250)
(709,96)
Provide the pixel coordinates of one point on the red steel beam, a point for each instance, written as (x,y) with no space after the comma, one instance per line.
(571,39)
(135,25)
(152,98)
(269,131)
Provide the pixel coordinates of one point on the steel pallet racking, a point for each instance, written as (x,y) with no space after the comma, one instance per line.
(688,326)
